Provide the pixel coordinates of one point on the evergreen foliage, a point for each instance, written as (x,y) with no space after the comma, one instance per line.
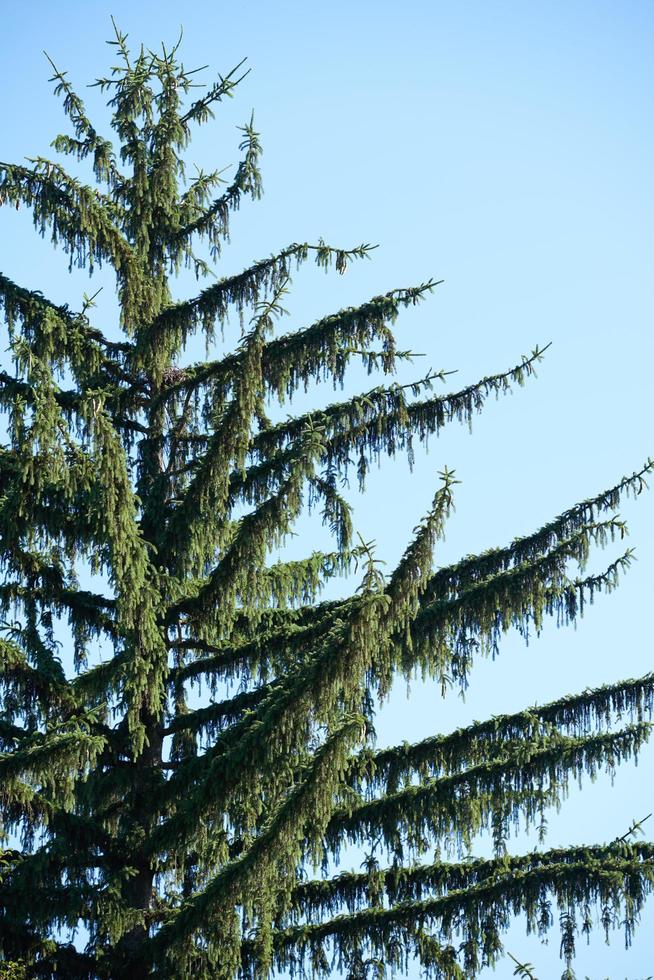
(180,830)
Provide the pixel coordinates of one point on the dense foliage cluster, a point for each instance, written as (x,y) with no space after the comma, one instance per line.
(186,799)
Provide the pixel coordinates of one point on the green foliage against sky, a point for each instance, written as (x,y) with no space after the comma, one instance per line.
(188,798)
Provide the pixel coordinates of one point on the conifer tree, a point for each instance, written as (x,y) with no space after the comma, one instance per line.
(186,799)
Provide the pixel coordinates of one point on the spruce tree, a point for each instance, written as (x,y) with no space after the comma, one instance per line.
(186,799)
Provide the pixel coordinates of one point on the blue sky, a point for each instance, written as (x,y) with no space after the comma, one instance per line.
(506,148)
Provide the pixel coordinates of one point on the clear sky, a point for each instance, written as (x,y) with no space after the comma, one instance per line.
(506,148)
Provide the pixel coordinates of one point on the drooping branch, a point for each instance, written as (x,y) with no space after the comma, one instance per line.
(81,219)
(351,891)
(447,633)
(383,420)
(34,312)
(617,889)
(321,350)
(581,517)
(526,779)
(246,288)
(482,741)
(274,648)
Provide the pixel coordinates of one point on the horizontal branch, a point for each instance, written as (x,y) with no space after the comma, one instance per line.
(245,288)
(214,717)
(582,515)
(69,401)
(481,741)
(384,420)
(526,778)
(31,306)
(447,633)
(322,349)
(278,640)
(618,886)
(311,900)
